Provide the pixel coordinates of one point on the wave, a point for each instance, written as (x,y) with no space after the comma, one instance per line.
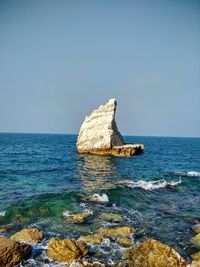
(149,185)
(189,173)
(2,213)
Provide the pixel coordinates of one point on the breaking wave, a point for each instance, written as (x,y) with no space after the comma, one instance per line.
(190,173)
(149,185)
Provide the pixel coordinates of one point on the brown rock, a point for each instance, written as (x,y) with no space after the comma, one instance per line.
(12,252)
(95,239)
(30,235)
(196,256)
(117,231)
(152,253)
(66,250)
(124,241)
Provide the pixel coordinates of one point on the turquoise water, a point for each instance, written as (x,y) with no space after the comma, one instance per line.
(42,176)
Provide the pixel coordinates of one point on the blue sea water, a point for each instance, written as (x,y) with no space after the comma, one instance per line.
(157,192)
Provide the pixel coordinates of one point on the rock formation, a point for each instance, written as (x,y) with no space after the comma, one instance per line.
(152,253)
(12,252)
(99,134)
(30,235)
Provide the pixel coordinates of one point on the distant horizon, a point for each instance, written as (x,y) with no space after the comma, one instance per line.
(123,135)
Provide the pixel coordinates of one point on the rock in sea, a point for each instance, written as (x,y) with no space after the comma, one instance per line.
(29,235)
(152,253)
(66,250)
(12,252)
(99,134)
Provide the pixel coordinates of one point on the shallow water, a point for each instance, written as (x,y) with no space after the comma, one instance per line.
(42,176)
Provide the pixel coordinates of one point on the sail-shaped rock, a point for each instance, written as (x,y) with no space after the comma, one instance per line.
(99,134)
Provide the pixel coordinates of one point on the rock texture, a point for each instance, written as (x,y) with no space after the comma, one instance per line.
(66,250)
(117,231)
(12,252)
(95,239)
(30,235)
(99,134)
(152,253)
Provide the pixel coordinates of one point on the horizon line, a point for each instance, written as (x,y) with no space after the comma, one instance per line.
(53,133)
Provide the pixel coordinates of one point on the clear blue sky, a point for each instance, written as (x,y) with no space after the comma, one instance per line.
(61,59)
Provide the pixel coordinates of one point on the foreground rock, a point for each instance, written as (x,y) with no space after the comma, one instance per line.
(66,250)
(29,235)
(99,134)
(124,241)
(117,231)
(152,253)
(12,252)
(95,239)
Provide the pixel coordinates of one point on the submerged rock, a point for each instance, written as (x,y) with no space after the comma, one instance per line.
(78,217)
(12,252)
(111,217)
(95,239)
(66,250)
(152,253)
(30,235)
(117,231)
(99,134)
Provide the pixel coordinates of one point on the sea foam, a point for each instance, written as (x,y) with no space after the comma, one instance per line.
(149,185)
(2,213)
(189,173)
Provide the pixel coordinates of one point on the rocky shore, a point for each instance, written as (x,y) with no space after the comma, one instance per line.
(148,253)
(99,134)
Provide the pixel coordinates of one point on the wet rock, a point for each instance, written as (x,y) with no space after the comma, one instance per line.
(4,229)
(99,134)
(196,241)
(196,257)
(12,252)
(66,250)
(196,228)
(111,217)
(124,241)
(117,231)
(194,264)
(152,253)
(30,235)
(77,218)
(95,239)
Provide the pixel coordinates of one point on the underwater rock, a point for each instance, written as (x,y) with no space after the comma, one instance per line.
(4,229)
(95,239)
(99,134)
(152,253)
(30,235)
(111,217)
(66,250)
(12,252)
(196,228)
(124,241)
(78,217)
(117,231)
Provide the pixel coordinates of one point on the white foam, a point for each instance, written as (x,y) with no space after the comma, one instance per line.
(66,213)
(100,198)
(189,173)
(2,213)
(149,185)
(193,174)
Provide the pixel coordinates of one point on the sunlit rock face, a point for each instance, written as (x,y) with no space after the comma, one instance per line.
(99,134)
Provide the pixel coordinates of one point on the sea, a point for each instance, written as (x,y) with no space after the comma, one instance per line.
(43,178)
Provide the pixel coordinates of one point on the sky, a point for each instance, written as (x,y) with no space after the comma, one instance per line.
(61,59)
